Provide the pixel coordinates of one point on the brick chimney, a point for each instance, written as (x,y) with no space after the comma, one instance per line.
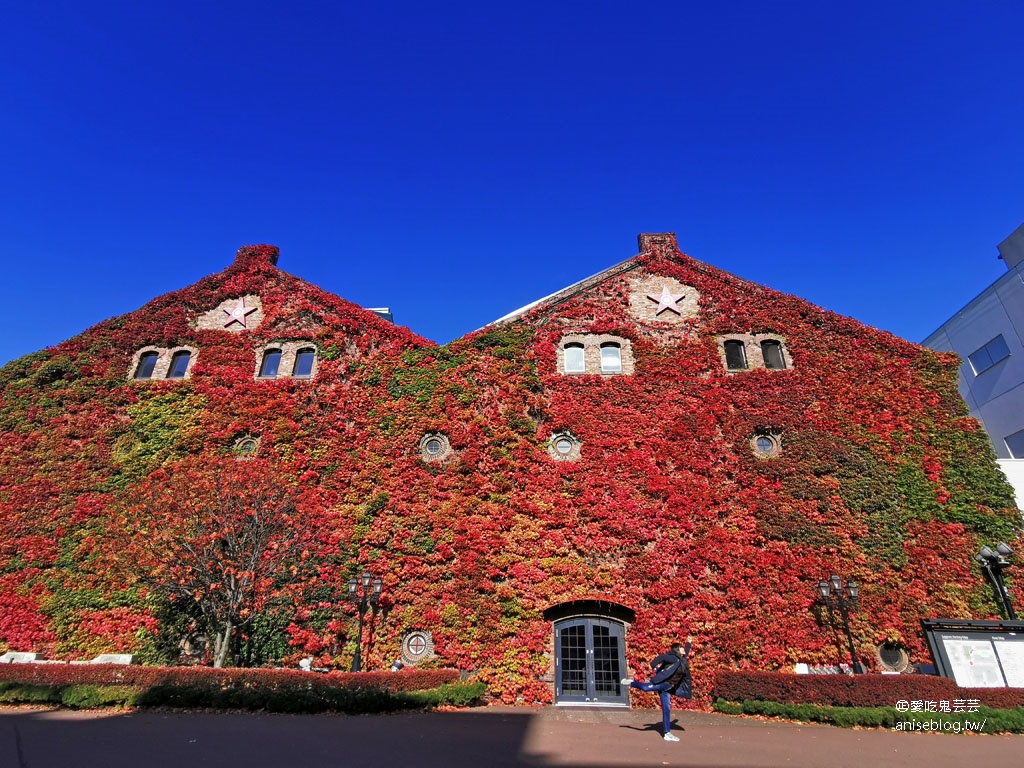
(658,242)
(257,254)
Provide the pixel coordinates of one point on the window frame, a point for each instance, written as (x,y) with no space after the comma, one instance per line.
(741,345)
(575,446)
(312,362)
(442,454)
(611,345)
(776,349)
(584,353)
(176,355)
(269,351)
(147,355)
(1017,439)
(775,444)
(1001,348)
(578,348)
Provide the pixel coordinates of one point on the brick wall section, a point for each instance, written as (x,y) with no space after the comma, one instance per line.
(288,351)
(163,362)
(645,309)
(752,344)
(592,353)
(219,320)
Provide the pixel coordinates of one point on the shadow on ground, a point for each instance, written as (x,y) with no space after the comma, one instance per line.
(485,738)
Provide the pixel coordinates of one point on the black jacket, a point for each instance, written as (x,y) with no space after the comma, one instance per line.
(669,667)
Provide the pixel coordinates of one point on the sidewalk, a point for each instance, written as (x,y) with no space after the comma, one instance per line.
(608,737)
(493,737)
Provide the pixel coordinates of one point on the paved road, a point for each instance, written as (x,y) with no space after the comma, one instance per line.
(493,737)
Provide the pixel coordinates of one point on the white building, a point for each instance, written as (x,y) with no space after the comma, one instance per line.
(988,334)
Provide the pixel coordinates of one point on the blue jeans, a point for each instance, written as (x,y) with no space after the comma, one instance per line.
(662,689)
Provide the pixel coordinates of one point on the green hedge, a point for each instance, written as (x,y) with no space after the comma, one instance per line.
(278,679)
(986,719)
(855,690)
(82,687)
(73,696)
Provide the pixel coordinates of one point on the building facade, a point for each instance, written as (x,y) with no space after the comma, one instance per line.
(988,335)
(660,450)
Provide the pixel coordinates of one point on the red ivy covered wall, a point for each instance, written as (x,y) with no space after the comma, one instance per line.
(882,476)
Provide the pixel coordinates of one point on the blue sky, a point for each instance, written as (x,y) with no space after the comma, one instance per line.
(455,161)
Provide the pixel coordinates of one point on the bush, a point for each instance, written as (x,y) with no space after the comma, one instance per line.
(17,693)
(451,694)
(90,696)
(205,677)
(995,720)
(82,686)
(855,690)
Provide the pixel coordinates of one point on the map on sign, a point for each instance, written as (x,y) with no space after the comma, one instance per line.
(974,662)
(977,653)
(1011,657)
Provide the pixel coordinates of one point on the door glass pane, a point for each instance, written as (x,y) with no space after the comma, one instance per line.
(607,672)
(573,648)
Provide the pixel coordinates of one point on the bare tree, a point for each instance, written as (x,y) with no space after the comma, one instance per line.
(224,533)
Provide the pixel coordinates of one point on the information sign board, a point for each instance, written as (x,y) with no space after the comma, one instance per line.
(977,654)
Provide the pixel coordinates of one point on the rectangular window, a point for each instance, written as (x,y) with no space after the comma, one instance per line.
(179,365)
(303,368)
(147,362)
(611,358)
(771,351)
(984,358)
(271,361)
(1015,444)
(574,361)
(735,356)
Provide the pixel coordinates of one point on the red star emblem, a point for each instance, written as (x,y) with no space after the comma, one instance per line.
(238,314)
(666,301)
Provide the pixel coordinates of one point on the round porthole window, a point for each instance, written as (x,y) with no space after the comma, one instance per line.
(247,447)
(434,447)
(417,646)
(893,657)
(564,447)
(766,445)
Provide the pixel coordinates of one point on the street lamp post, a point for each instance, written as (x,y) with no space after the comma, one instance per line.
(835,594)
(364,599)
(993,564)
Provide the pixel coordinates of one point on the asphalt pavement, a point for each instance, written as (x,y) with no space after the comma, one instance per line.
(487,737)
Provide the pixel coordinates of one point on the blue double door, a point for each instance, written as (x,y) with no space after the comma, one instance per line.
(590,661)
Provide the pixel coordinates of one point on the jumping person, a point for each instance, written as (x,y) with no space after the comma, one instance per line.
(671,678)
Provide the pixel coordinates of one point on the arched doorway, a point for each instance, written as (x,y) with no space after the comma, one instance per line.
(590,652)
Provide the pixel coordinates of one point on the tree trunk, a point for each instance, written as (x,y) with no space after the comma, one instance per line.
(222,645)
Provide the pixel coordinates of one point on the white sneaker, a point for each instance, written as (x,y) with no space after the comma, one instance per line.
(671,737)
(626,680)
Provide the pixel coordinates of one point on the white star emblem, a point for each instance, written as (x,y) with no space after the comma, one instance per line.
(238,314)
(666,301)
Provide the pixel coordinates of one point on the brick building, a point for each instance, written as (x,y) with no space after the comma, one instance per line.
(660,450)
